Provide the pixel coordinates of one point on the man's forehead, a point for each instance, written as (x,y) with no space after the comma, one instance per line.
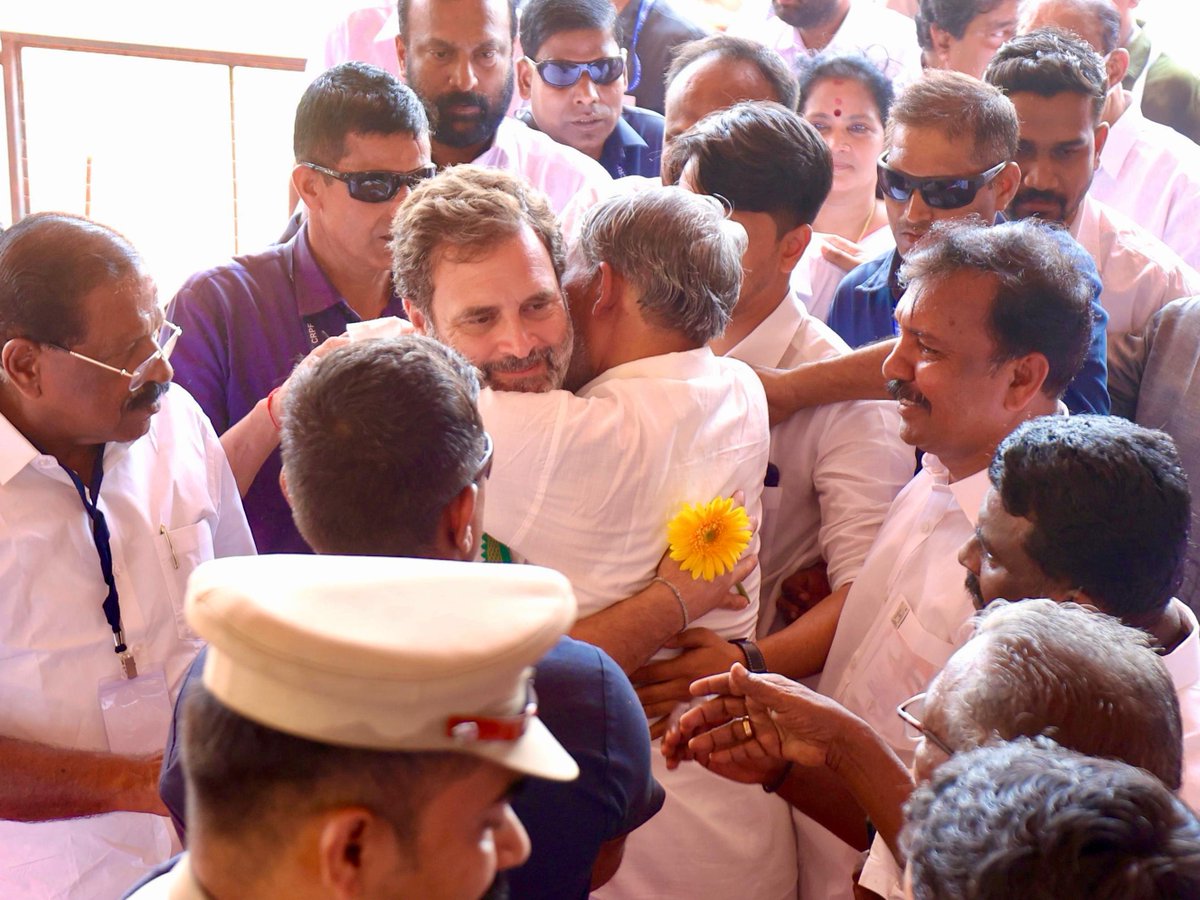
(1062,116)
(928,152)
(450,21)
(951,304)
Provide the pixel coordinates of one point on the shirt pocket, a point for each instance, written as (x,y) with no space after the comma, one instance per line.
(180,550)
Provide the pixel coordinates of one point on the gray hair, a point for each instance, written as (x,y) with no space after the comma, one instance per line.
(1072,674)
(678,249)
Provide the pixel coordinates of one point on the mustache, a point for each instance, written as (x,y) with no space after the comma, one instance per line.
(463,98)
(147,395)
(1029,195)
(971,583)
(517,364)
(903,390)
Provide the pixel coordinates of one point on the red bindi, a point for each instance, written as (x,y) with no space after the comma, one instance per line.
(837,112)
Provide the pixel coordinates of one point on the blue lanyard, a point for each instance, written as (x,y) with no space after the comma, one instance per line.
(102,538)
(644,8)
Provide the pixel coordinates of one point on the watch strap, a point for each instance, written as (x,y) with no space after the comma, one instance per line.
(755,661)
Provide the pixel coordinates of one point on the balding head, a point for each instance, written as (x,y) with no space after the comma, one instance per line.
(1096,21)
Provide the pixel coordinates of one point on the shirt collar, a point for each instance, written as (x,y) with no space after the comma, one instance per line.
(1183,663)
(15,451)
(685,365)
(968,492)
(1086,228)
(502,154)
(314,291)
(883,278)
(766,344)
(1121,138)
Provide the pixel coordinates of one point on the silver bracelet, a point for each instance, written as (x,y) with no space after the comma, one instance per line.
(687,620)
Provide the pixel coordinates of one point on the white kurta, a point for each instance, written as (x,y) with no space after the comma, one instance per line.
(586,485)
(838,467)
(1151,173)
(171,502)
(1139,273)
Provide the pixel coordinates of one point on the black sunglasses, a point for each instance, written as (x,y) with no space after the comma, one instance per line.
(377,187)
(561,73)
(938,193)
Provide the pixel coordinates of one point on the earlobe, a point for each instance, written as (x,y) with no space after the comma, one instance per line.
(1029,374)
(1116,65)
(1101,140)
(340,843)
(1007,183)
(417,317)
(402,58)
(793,245)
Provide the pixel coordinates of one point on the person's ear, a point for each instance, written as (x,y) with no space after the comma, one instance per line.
(525,73)
(307,183)
(941,41)
(402,58)
(354,846)
(1116,65)
(792,246)
(610,288)
(1101,140)
(418,318)
(283,488)
(1006,185)
(456,530)
(1028,375)
(20,360)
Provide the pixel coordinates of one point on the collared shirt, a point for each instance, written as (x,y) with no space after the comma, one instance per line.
(834,471)
(171,503)
(905,614)
(590,707)
(176,883)
(558,171)
(1140,273)
(586,485)
(663,29)
(245,326)
(882,875)
(815,279)
(633,147)
(888,38)
(1156,382)
(1165,167)
(864,308)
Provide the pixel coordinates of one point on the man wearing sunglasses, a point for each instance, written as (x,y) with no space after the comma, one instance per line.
(361,143)
(112,490)
(1058,85)
(951,142)
(574,75)
(458,57)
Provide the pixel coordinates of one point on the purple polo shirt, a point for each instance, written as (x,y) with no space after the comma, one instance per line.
(245,326)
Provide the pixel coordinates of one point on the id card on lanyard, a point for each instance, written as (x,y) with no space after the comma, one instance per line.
(645,7)
(136,708)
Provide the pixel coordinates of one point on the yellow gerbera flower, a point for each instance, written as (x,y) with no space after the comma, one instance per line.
(707,538)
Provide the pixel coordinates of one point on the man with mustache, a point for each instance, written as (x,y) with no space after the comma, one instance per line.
(951,140)
(457,55)
(798,29)
(1095,510)
(112,490)
(1058,85)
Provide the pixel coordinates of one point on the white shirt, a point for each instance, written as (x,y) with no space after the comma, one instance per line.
(586,485)
(905,614)
(838,467)
(178,883)
(888,38)
(1151,173)
(1139,273)
(816,279)
(56,646)
(562,173)
(1183,663)
(882,875)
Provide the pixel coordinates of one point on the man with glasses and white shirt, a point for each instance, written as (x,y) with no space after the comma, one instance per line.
(112,491)
(361,142)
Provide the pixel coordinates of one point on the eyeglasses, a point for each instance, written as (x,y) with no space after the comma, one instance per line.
(484,472)
(561,73)
(377,187)
(938,193)
(165,346)
(915,729)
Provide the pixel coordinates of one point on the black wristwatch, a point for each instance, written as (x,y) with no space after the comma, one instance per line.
(754,658)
